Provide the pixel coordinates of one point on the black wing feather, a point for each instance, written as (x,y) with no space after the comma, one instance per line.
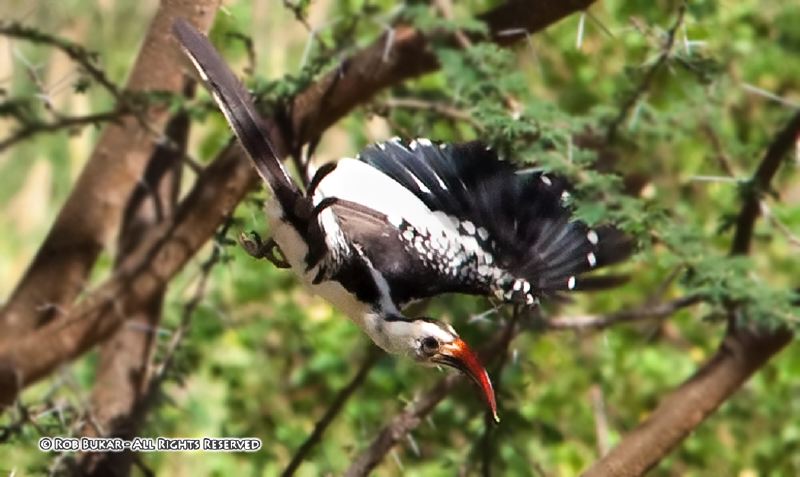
(410,275)
(530,230)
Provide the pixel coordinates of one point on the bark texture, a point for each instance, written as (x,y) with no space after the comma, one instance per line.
(93,211)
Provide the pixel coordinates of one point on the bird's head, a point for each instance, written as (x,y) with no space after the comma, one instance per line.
(431,342)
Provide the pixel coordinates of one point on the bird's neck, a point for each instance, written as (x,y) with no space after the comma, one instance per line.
(393,336)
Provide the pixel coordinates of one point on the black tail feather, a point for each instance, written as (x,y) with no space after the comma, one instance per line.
(237,105)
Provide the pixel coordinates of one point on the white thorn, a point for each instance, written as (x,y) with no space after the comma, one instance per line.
(581,25)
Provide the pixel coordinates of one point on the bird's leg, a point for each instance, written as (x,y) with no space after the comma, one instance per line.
(252,244)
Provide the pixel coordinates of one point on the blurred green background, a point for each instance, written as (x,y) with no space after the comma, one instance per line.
(264,358)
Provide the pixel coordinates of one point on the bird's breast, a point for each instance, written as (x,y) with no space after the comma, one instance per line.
(294,249)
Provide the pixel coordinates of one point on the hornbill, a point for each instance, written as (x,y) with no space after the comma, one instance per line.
(405,221)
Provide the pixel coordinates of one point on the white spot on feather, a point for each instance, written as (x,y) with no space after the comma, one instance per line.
(546,180)
(421,186)
(441,182)
(592,259)
(592,237)
(468,226)
(571,283)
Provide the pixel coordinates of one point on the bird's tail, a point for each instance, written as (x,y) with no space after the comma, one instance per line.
(237,106)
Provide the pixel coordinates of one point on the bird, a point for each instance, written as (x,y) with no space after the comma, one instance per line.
(408,220)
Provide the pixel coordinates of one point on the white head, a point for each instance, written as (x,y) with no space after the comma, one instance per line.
(430,342)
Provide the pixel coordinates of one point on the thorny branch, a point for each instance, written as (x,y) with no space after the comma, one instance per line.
(647,79)
(741,353)
(409,418)
(59,271)
(413,414)
(85,58)
(66,122)
(791,237)
(600,419)
(115,406)
(753,349)
(166,248)
(333,410)
(487,442)
(438,108)
(158,375)
(760,184)
(599,322)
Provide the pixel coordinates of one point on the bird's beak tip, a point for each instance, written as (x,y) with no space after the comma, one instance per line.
(468,363)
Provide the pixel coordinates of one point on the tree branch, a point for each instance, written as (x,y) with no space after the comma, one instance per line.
(92,213)
(760,184)
(62,123)
(333,410)
(599,322)
(487,443)
(648,77)
(85,58)
(166,248)
(412,415)
(438,108)
(741,353)
(117,406)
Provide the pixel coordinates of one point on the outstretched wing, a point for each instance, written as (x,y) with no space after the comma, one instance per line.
(509,232)
(413,265)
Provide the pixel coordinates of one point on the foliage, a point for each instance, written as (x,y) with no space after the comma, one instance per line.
(262,358)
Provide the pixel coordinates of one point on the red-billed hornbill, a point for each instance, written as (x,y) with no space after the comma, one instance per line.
(406,221)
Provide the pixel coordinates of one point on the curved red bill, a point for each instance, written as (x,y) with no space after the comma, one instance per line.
(460,356)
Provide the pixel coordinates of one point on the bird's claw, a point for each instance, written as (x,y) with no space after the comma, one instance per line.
(252,244)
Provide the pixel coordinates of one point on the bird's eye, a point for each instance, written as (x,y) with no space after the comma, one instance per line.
(429,345)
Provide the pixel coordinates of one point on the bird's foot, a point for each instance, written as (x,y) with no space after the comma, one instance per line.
(252,244)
